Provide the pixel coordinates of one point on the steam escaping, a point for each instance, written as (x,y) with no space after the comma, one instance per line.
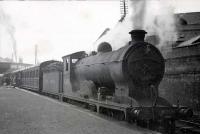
(154,16)
(160,21)
(7,36)
(138,13)
(118,36)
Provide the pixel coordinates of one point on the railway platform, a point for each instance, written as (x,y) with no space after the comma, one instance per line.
(24,112)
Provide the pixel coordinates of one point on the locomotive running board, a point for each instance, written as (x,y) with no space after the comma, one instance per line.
(102,104)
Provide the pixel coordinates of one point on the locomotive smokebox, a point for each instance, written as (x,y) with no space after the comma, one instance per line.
(137,35)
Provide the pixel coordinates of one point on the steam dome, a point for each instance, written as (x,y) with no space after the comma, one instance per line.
(104,47)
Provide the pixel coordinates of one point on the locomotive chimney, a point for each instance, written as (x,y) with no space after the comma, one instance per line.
(137,35)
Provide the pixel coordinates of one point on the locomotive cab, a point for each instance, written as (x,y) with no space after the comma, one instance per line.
(70,80)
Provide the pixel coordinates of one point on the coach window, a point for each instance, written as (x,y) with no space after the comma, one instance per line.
(37,73)
(74,60)
(66,66)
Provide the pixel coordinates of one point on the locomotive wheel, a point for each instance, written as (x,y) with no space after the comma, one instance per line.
(119,116)
(85,106)
(141,123)
(93,108)
(169,126)
(110,113)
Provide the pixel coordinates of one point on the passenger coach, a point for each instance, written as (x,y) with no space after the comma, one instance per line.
(32,77)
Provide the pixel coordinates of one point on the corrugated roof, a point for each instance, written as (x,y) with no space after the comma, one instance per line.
(193,41)
(190,18)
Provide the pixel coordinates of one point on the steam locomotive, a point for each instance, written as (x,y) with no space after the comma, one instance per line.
(121,83)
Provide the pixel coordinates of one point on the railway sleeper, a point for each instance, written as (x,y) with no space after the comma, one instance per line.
(188,127)
(187,130)
(165,125)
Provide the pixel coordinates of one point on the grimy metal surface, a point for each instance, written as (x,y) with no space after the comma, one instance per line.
(138,64)
(52,82)
(52,78)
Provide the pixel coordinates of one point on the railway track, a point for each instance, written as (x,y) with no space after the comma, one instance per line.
(188,126)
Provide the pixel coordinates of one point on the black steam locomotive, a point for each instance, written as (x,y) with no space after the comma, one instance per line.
(121,83)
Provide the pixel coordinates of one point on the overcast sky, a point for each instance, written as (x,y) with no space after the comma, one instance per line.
(62,27)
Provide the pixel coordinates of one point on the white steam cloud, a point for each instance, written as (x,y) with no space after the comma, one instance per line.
(160,21)
(118,36)
(154,16)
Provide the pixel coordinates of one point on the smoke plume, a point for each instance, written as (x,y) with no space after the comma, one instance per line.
(154,16)
(7,36)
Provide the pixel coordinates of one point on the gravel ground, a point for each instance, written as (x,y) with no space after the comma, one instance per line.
(23,112)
